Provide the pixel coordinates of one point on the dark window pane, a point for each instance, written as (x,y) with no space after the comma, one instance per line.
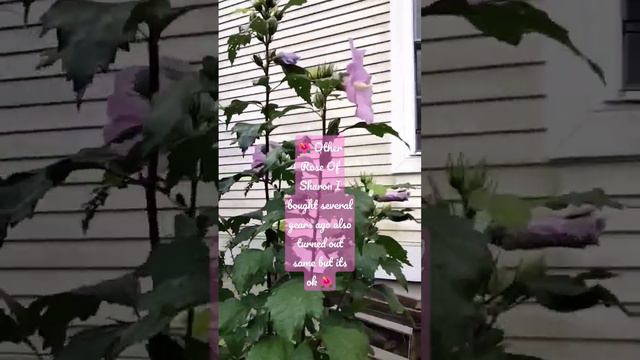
(632,10)
(632,60)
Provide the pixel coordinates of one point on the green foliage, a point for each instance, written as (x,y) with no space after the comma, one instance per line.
(509,21)
(377,129)
(338,339)
(289,306)
(20,192)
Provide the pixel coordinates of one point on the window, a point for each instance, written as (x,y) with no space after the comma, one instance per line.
(405,84)
(417,51)
(631,43)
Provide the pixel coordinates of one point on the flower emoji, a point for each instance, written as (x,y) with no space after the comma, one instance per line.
(326,282)
(305,147)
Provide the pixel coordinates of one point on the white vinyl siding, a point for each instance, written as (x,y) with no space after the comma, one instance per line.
(39,124)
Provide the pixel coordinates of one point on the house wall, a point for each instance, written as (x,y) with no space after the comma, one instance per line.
(39,124)
(546,126)
(319,32)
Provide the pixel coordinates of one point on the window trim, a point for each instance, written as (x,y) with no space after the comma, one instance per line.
(404,29)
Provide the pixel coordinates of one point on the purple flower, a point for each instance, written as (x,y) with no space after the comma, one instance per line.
(357,84)
(260,156)
(553,231)
(288,58)
(127,106)
(400,195)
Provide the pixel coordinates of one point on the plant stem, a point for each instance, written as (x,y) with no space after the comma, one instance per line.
(152,170)
(193,197)
(267,64)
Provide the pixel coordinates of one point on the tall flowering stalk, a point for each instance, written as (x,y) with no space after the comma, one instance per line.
(272,314)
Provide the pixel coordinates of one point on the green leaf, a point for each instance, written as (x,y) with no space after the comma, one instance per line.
(192,156)
(394,267)
(236,107)
(177,294)
(377,129)
(596,197)
(9,330)
(303,351)
(225,184)
(91,344)
(274,113)
(246,134)
(461,264)
(565,293)
(509,21)
(235,42)
(291,3)
(334,127)
(55,312)
(298,80)
(157,14)
(259,26)
(392,298)
(274,212)
(396,215)
(393,248)
(89,36)
(338,339)
(369,261)
(251,267)
(233,314)
(509,211)
(363,211)
(289,306)
(171,119)
(272,348)
(179,258)
(20,192)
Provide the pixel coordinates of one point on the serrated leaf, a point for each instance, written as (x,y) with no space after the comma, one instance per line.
(21,192)
(369,261)
(271,348)
(298,79)
(377,129)
(236,107)
(251,267)
(235,42)
(509,21)
(232,314)
(337,339)
(225,184)
(91,344)
(89,35)
(247,134)
(393,248)
(289,306)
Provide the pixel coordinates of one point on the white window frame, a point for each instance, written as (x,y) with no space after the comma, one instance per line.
(403,87)
(583,117)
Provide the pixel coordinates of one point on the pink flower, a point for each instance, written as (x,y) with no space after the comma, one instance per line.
(260,157)
(127,106)
(357,84)
(400,195)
